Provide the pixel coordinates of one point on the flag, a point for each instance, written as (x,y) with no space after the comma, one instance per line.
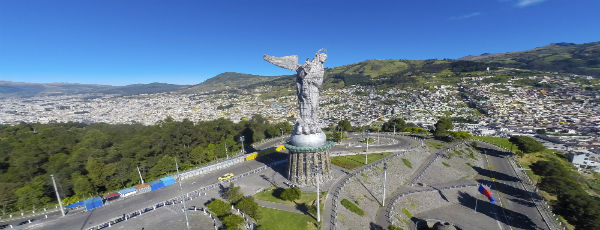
(483,190)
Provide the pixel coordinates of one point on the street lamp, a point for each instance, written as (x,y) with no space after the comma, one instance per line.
(140,173)
(62,211)
(242,139)
(384,182)
(187,222)
(367,140)
(317,170)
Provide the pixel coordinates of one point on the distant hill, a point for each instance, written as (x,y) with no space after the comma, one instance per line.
(583,59)
(23,89)
(150,88)
(236,81)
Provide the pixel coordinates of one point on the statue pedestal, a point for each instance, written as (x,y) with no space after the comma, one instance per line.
(302,159)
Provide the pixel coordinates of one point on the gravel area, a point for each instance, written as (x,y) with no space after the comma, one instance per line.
(367,188)
(425,201)
(167,218)
(454,166)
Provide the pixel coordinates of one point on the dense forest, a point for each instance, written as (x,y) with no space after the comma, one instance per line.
(91,159)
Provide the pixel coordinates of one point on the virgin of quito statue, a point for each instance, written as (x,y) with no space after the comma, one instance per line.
(308,145)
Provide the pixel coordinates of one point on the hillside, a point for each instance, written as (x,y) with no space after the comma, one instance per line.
(581,59)
(236,81)
(24,89)
(151,88)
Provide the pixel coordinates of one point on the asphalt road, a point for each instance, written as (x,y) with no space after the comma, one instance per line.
(516,211)
(84,220)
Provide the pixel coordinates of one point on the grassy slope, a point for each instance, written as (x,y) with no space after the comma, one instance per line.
(355,161)
(274,219)
(307,197)
(570,58)
(499,141)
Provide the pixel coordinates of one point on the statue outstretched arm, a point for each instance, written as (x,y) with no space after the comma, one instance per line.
(287,62)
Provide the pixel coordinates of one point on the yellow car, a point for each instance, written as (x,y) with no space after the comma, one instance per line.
(226,176)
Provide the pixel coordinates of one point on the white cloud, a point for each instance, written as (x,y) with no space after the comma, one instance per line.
(525,3)
(465,16)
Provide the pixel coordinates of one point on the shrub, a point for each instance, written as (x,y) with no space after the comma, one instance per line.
(249,206)
(352,207)
(461,135)
(526,144)
(407,163)
(233,222)
(219,207)
(234,193)
(291,194)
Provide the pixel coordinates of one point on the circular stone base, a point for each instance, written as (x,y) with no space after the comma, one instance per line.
(308,140)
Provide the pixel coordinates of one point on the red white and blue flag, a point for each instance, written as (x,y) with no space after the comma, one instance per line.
(483,190)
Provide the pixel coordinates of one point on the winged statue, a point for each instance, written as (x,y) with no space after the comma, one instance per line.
(309,79)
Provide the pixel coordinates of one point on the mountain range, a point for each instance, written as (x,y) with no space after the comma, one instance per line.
(24,89)
(582,59)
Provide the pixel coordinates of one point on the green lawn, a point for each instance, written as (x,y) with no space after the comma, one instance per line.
(307,197)
(274,219)
(355,161)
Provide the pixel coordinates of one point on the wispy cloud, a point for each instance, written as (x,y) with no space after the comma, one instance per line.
(526,3)
(466,16)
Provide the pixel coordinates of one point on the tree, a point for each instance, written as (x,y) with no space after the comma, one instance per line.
(396,123)
(82,186)
(233,222)
(526,144)
(291,194)
(165,165)
(272,132)
(34,193)
(441,127)
(196,155)
(234,193)
(219,207)
(344,125)
(249,206)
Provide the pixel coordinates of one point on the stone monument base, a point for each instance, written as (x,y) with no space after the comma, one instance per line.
(302,159)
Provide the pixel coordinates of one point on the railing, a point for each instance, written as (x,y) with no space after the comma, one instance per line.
(390,210)
(337,191)
(176,200)
(549,218)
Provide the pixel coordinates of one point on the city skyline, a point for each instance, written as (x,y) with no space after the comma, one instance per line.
(186,43)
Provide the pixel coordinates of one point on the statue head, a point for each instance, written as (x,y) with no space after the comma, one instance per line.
(321,55)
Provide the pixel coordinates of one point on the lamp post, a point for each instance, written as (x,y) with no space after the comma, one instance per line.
(367,151)
(187,222)
(242,139)
(139,173)
(384,182)
(62,211)
(317,170)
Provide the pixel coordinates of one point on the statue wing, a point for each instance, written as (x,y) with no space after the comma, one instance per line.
(287,62)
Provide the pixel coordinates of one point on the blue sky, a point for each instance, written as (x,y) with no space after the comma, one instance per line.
(123,42)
